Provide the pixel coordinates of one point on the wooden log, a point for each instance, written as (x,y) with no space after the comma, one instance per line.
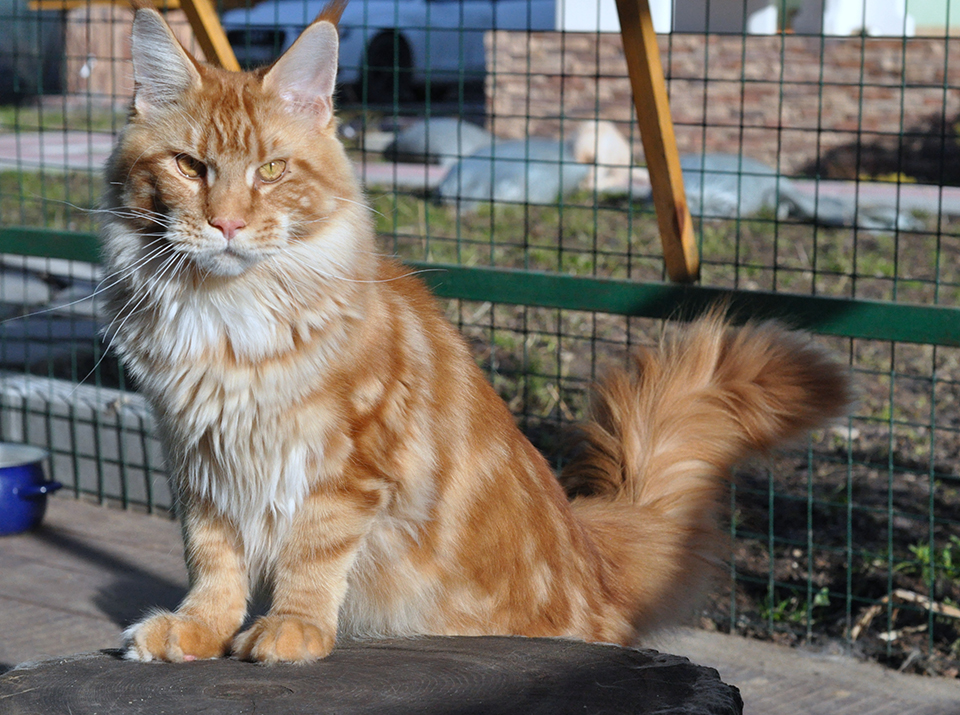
(489,676)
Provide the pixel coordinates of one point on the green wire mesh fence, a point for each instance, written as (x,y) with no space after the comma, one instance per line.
(498,146)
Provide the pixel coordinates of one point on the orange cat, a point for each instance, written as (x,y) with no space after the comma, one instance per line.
(327,430)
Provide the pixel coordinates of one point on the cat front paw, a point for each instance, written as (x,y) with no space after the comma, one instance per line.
(283,639)
(171,637)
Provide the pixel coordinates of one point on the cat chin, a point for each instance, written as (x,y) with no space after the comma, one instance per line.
(225,264)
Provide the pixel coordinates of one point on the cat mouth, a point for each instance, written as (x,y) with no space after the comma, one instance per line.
(228,261)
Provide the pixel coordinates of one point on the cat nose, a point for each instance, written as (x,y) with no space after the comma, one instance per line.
(229,227)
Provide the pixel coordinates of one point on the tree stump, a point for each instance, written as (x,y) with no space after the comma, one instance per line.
(489,676)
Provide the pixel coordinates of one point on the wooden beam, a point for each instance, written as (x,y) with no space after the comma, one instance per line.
(659,141)
(159,4)
(72,4)
(200,14)
(209,33)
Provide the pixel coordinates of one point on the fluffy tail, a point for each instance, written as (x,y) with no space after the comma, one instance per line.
(651,467)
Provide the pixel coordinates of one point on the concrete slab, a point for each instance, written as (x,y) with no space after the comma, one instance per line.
(776,680)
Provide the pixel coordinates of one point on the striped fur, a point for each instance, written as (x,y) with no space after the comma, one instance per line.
(328,432)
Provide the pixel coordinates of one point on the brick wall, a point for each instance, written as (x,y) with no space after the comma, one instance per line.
(97,50)
(781,99)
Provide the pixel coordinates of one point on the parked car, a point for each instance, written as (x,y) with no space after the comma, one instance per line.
(31,51)
(390,48)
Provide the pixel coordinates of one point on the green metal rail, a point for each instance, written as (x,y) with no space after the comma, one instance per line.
(851,318)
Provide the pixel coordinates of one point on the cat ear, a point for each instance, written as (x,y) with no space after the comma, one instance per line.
(306,74)
(162,69)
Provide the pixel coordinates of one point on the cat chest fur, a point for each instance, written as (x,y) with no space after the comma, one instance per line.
(248,441)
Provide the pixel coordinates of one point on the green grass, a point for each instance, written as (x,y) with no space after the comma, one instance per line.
(931,563)
(793,610)
(576,239)
(49,200)
(621,240)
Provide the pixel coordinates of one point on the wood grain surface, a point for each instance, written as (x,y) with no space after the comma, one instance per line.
(427,675)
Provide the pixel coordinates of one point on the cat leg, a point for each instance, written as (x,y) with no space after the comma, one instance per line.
(310,575)
(213,609)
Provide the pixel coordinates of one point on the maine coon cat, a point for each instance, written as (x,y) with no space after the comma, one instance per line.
(327,430)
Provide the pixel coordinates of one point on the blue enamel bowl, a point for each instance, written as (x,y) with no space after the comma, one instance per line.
(23,488)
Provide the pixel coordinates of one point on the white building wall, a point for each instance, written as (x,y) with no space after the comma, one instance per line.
(730,16)
(878,18)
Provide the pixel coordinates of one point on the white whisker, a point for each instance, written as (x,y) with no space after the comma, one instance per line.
(168,262)
(361,204)
(98,289)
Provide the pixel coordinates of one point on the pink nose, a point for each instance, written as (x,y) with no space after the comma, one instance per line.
(228,226)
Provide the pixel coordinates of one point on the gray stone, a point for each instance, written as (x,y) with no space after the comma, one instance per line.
(728,186)
(440,140)
(534,171)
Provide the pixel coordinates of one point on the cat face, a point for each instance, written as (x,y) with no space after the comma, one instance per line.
(227,169)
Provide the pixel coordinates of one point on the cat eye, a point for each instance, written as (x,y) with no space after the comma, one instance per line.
(190,167)
(272,171)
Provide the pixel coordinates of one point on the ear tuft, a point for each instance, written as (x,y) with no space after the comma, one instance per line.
(162,69)
(332,11)
(306,75)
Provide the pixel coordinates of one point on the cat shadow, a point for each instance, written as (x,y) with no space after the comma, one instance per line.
(129,590)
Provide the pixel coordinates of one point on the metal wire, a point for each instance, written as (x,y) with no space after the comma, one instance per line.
(820,536)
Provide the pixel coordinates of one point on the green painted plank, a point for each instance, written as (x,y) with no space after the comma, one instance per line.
(855,318)
(875,320)
(49,243)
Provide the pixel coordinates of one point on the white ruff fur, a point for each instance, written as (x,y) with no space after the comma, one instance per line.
(228,431)
(259,314)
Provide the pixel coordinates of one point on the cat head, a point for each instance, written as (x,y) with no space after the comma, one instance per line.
(228,169)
